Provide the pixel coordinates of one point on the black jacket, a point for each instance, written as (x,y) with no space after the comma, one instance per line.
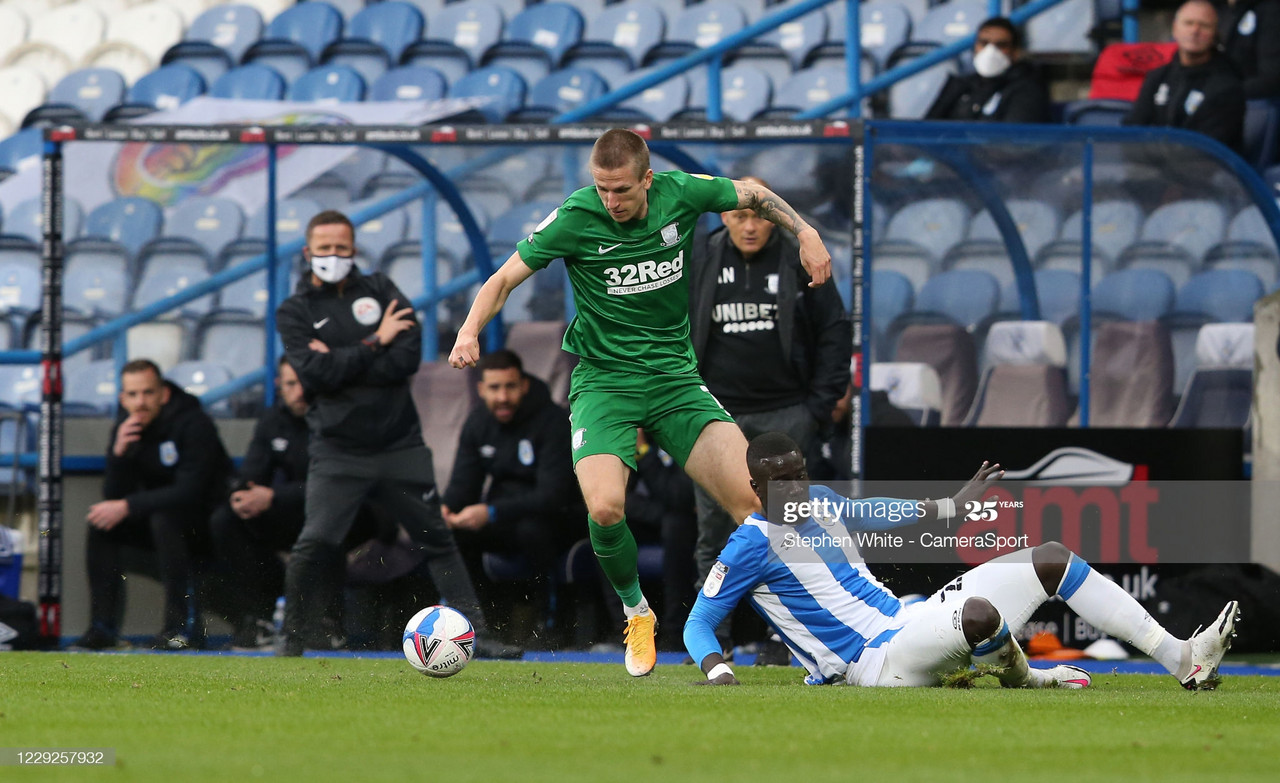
(1213,91)
(1250,35)
(1017,95)
(277,458)
(179,464)
(816,334)
(528,460)
(359,393)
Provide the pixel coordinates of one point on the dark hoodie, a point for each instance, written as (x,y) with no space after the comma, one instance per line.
(1017,95)
(179,464)
(528,459)
(359,391)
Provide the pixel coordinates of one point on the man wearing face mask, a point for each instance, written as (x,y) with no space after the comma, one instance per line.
(1199,89)
(1004,87)
(355,343)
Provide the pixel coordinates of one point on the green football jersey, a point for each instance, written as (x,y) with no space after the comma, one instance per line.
(629,281)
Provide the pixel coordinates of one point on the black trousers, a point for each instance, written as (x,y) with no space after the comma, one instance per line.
(179,539)
(401,484)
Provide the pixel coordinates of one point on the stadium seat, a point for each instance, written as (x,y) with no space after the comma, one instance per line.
(450,236)
(950,351)
(698,27)
(376,38)
(1063,29)
(1219,394)
(58,39)
(19,386)
(22,150)
(1249,245)
(136,39)
(1130,375)
(1192,224)
(963,296)
(167,87)
(13,29)
(248,294)
(561,91)
(468,28)
(233,340)
(96,279)
(199,378)
(165,342)
(294,40)
(1068,255)
(361,165)
(328,84)
(403,264)
(1116,224)
(983,255)
(1261,132)
(1098,112)
(328,190)
(519,222)
(89,91)
(1057,293)
(20,276)
(913,388)
(1134,295)
(1025,384)
(891,296)
(270,9)
(798,39)
(409,83)
(166,267)
(217,40)
(516,174)
(535,41)
(1170,259)
(745,93)
(1221,294)
(658,103)
(292,216)
(908,259)
(375,236)
(911,98)
(27,220)
(349,8)
(91,390)
(618,40)
(1038,224)
(250,83)
(503,85)
(131,221)
(934,224)
(21,90)
(886,25)
(210,221)
(950,22)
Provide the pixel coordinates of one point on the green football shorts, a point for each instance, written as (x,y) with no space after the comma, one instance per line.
(606,407)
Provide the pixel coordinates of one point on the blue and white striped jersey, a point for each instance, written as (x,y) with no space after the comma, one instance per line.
(809,583)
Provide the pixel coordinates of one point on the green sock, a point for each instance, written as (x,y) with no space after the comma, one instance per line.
(615,548)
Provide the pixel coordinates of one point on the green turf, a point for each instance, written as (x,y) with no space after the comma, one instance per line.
(193,718)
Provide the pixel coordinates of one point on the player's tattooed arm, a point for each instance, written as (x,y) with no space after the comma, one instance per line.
(769,205)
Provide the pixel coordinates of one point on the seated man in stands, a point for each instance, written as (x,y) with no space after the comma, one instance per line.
(1004,88)
(1199,90)
(1249,31)
(166,470)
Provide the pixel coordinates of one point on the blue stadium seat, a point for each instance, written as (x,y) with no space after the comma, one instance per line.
(809,88)
(22,149)
(328,190)
(1221,295)
(982,254)
(374,237)
(891,296)
(792,171)
(965,297)
(91,390)
(799,38)
(27,220)
(911,98)
(74,326)
(294,40)
(199,378)
(376,38)
(250,83)
(1063,29)
(934,224)
(503,85)
(658,103)
(403,264)
(89,92)
(950,22)
(618,40)
(131,221)
(886,25)
(349,9)
(20,276)
(248,294)
(561,91)
(1261,132)
(698,27)
(210,221)
(96,279)
(292,216)
(470,27)
(906,258)
(745,93)
(519,222)
(328,84)
(1172,260)
(217,40)
(450,238)
(232,340)
(167,87)
(1192,224)
(536,40)
(1038,224)
(19,386)
(409,83)
(166,267)
(1099,112)
(514,174)
(360,166)
(1116,223)
(1134,295)
(1057,292)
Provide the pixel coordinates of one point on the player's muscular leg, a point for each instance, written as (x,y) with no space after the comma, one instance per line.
(1050,561)
(979,620)
(718,462)
(603,479)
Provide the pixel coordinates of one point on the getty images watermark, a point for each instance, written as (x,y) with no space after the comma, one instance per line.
(923,522)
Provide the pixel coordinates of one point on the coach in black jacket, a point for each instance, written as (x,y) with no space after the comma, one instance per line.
(773,351)
(517,442)
(355,343)
(1249,32)
(1199,89)
(166,469)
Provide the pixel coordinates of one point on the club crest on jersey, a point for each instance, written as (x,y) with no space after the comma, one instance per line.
(771,284)
(525,452)
(168,454)
(366,310)
(579,438)
(487,451)
(279,444)
(670,234)
(715,580)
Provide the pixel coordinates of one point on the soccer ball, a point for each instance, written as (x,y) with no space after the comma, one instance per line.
(439,641)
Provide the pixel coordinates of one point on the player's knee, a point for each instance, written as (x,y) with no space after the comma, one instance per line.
(606,511)
(1050,560)
(980,620)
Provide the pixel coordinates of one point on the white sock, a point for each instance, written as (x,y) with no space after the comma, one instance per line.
(1108,607)
(640,608)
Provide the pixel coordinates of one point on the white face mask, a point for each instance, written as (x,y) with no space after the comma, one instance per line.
(331,269)
(990,61)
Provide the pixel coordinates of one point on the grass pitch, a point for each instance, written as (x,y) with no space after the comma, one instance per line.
(196,718)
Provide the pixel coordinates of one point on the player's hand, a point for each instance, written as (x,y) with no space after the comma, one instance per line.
(466,351)
(979,485)
(107,514)
(394,322)
(252,501)
(317,346)
(814,257)
(724,679)
(130,432)
(472,517)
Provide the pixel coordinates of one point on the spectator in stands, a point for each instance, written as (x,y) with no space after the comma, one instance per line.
(355,343)
(1249,31)
(1199,89)
(773,351)
(1005,87)
(517,444)
(166,470)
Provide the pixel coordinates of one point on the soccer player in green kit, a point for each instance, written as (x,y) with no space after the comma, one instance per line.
(625,242)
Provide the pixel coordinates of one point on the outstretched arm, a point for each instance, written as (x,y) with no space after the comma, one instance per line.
(975,489)
(771,207)
(492,296)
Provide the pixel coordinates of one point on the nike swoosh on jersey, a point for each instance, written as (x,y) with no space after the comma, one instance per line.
(320,323)
(602,249)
